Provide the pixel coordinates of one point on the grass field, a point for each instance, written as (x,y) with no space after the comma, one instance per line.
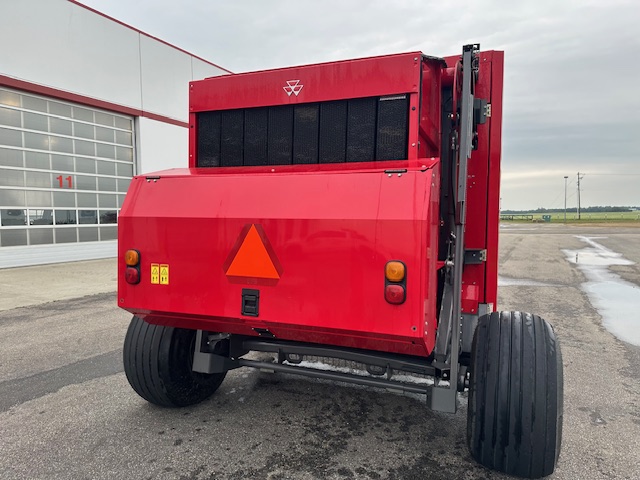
(572,217)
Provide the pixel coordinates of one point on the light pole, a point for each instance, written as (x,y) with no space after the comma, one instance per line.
(565,198)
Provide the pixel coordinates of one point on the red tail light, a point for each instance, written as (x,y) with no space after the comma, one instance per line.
(394,294)
(132,271)
(132,275)
(395,284)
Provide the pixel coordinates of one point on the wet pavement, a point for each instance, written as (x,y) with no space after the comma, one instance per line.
(67,411)
(613,297)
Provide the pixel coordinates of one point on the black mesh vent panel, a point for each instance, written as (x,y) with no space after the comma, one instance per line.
(361,129)
(280,135)
(209,139)
(333,132)
(232,138)
(355,130)
(305,133)
(391,138)
(255,136)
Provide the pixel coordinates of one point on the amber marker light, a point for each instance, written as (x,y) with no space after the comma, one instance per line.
(132,258)
(132,272)
(394,271)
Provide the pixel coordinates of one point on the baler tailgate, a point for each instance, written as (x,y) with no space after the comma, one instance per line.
(307,251)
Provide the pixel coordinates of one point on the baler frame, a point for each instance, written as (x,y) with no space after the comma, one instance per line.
(178,354)
(443,365)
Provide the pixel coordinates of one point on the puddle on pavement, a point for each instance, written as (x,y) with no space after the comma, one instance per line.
(615,299)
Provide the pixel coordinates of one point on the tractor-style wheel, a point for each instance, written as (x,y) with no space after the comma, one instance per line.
(514,422)
(157,362)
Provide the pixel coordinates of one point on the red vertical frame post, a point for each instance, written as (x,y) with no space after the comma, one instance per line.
(412,147)
(480,281)
(192,140)
(493,194)
(430,106)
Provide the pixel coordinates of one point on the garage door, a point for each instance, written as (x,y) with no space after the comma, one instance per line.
(64,171)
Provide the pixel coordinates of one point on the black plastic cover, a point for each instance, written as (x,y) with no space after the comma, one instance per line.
(354,130)
(250,302)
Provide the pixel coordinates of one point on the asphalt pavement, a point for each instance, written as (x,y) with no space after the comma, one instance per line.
(67,411)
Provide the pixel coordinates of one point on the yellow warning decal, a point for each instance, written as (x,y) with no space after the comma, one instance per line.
(155,273)
(164,274)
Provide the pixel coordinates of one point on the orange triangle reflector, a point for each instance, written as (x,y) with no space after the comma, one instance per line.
(252,256)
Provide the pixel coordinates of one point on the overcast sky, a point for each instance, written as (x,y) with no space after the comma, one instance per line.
(572,70)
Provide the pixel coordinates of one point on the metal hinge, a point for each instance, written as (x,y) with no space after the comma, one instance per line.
(474,257)
(488,110)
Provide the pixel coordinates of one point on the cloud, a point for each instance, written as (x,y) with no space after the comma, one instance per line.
(571,97)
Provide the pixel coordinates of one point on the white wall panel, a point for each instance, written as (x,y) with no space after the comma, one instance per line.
(161,146)
(62,45)
(203,69)
(60,253)
(166,73)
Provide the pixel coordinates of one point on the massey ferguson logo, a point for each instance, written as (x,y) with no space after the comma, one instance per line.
(293,86)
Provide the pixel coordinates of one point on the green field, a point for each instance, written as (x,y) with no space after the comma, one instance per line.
(572,217)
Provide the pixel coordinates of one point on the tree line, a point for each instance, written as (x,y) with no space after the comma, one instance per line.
(582,210)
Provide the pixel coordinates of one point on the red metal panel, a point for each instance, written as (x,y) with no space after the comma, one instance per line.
(413,141)
(368,77)
(316,167)
(495,152)
(480,281)
(430,109)
(193,150)
(430,262)
(477,182)
(332,233)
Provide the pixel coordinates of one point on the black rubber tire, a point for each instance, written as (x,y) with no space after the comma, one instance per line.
(157,362)
(514,422)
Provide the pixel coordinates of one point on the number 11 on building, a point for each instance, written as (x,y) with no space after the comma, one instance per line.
(68,179)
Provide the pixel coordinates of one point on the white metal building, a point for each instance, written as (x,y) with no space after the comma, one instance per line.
(85,103)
